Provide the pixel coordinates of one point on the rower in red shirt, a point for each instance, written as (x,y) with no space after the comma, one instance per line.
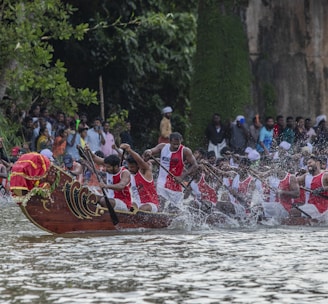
(316,184)
(144,195)
(118,183)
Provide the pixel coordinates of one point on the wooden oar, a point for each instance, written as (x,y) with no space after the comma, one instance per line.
(110,208)
(168,172)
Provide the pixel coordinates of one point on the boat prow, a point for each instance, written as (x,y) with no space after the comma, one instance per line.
(59,204)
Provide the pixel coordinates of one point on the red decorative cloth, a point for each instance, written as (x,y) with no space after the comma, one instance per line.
(28,170)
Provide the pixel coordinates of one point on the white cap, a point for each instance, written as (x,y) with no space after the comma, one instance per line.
(47,153)
(167,110)
(254,155)
(319,119)
(239,118)
(285,145)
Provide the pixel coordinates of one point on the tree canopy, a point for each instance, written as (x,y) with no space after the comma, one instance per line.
(54,52)
(28,70)
(142,49)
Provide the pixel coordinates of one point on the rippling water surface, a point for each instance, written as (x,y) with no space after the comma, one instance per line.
(224,265)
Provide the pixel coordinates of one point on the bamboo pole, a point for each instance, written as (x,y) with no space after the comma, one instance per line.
(101,93)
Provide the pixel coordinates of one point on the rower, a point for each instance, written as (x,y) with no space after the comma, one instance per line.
(144,193)
(118,183)
(173,157)
(281,190)
(315,182)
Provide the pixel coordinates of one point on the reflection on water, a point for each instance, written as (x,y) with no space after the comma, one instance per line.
(223,265)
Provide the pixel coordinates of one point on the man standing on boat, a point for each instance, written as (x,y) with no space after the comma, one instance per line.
(171,172)
(142,183)
(315,183)
(118,182)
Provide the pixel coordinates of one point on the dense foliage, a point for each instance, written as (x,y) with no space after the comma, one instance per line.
(27,69)
(143,51)
(222,79)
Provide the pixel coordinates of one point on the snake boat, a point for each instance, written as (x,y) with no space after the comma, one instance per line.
(53,201)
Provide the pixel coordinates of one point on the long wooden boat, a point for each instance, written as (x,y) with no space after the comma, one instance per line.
(52,200)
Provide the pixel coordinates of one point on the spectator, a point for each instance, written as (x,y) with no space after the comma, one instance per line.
(44,140)
(254,131)
(310,133)
(216,135)
(83,121)
(27,130)
(45,114)
(59,145)
(239,135)
(35,111)
(288,134)
(95,137)
(279,126)
(59,124)
(125,136)
(107,148)
(83,134)
(300,132)
(266,137)
(73,141)
(321,131)
(165,128)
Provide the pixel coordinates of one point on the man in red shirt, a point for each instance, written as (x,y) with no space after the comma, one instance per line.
(173,157)
(118,183)
(144,193)
(316,184)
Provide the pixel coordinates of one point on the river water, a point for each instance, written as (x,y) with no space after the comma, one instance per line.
(257,264)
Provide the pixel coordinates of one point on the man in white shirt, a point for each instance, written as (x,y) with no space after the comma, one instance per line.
(95,137)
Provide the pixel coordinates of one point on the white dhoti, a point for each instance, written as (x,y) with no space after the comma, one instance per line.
(174,197)
(216,148)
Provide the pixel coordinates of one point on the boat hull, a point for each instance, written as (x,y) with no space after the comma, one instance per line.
(71,207)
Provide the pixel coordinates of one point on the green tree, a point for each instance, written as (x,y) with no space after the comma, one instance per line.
(28,70)
(143,50)
(222,77)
